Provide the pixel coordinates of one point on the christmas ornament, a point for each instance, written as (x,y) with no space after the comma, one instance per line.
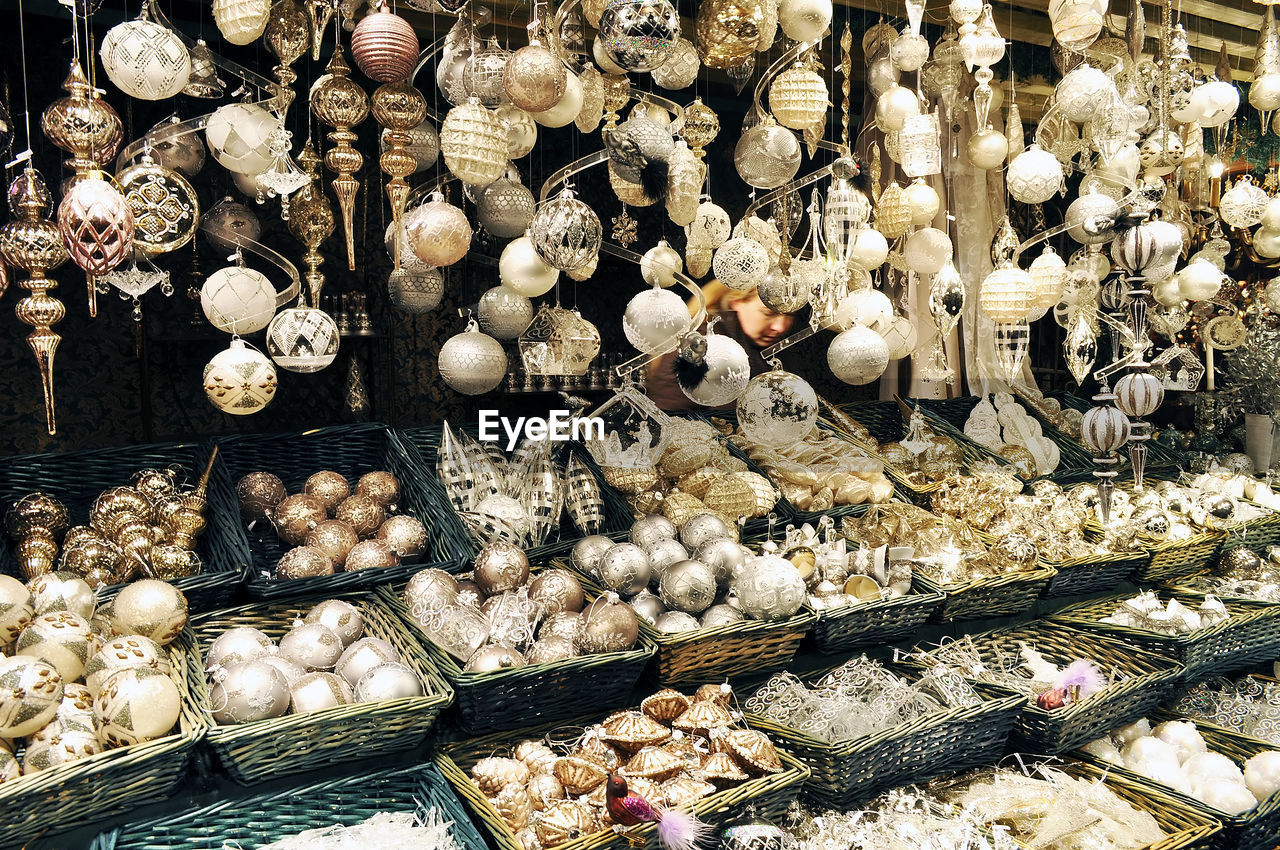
(504,314)
(472,362)
(399,107)
(83,124)
(777,408)
(240,380)
(96,224)
(241,21)
(145,60)
(339,102)
(238,300)
(766,156)
(639,35)
(253,690)
(654,318)
(384,46)
(534,78)
(482,74)
(164,205)
(474,143)
(523,270)
(565,232)
(302,339)
(239,137)
(438,232)
(858,356)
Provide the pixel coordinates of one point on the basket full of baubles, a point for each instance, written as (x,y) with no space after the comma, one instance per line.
(78,678)
(333,525)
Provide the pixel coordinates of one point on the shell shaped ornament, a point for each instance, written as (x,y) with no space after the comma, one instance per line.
(164,205)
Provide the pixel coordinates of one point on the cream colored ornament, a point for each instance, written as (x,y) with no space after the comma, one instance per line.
(30,693)
(145,60)
(1049,274)
(472,362)
(1007,295)
(523,272)
(804,20)
(522,130)
(741,263)
(924,202)
(685,176)
(901,336)
(137,705)
(238,300)
(660,264)
(61,639)
(567,107)
(438,232)
(798,98)
(475,143)
(240,380)
(241,21)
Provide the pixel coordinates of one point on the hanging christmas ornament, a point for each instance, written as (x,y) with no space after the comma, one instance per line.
(660,264)
(238,300)
(241,21)
(81,123)
(766,156)
(741,263)
(1034,176)
(239,137)
(384,46)
(1007,294)
(302,339)
(438,232)
(472,362)
(534,78)
(311,221)
(164,205)
(1080,348)
(319,14)
(654,319)
(229,221)
(204,81)
(288,35)
(399,107)
(566,108)
(424,145)
(31,242)
(1048,275)
(798,97)
(681,68)
(727,371)
(523,271)
(144,59)
(727,32)
(505,208)
(558,342)
(639,35)
(777,408)
(339,102)
(685,177)
(240,380)
(504,314)
(701,126)
(482,74)
(415,291)
(1104,430)
(858,355)
(96,224)
(565,232)
(804,20)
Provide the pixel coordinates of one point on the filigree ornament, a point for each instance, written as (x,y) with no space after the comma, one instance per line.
(165,207)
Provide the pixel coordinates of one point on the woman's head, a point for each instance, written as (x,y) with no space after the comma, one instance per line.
(761,325)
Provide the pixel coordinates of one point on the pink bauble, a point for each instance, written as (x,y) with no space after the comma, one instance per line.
(438,232)
(384,46)
(96,225)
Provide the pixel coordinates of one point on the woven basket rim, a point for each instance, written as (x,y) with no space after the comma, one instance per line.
(1240,615)
(915,596)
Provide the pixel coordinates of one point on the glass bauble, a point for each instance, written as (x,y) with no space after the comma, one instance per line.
(895,106)
(238,300)
(1049,274)
(784,293)
(1076,23)
(1200,280)
(681,68)
(1139,394)
(659,265)
(1218,101)
(80,123)
(654,318)
(415,291)
(1264,92)
(241,21)
(1007,295)
(566,108)
(1082,92)
(96,225)
(240,380)
(982,45)
(1243,204)
(1034,176)
(424,145)
(766,156)
(522,130)
(566,232)
(1104,430)
(728,371)
(727,32)
(639,35)
(591,81)
(474,143)
(384,46)
(987,149)
(558,342)
(901,337)
(523,271)
(868,307)
(504,314)
(534,78)
(239,137)
(505,208)
(924,202)
(741,263)
(869,250)
(145,60)
(804,20)
(798,98)
(302,339)
(438,232)
(777,408)
(927,250)
(182,153)
(1271,295)
(472,362)
(234,219)
(1091,219)
(909,51)
(482,74)
(858,356)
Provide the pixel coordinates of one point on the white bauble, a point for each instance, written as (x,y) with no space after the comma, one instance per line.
(1232,798)
(858,356)
(1264,92)
(1183,736)
(988,149)
(1271,215)
(1262,774)
(523,272)
(238,300)
(895,106)
(600,53)
(240,380)
(135,705)
(711,227)
(659,265)
(1219,101)
(1202,767)
(728,371)
(472,362)
(1200,279)
(1034,176)
(653,318)
(1168,292)
(927,250)
(869,250)
(145,60)
(901,336)
(1082,91)
(741,263)
(566,108)
(868,307)
(302,339)
(777,408)
(504,314)
(239,137)
(804,20)
(522,130)
(768,587)
(924,202)
(241,21)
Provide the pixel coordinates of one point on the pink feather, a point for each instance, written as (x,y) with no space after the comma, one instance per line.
(1081,673)
(679,830)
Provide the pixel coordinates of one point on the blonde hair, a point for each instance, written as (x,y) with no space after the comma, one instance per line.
(720,297)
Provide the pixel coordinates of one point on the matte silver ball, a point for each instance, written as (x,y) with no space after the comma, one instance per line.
(648,530)
(392,680)
(341,616)
(292,672)
(625,569)
(724,556)
(254,690)
(688,586)
(362,656)
(587,552)
(674,622)
(648,606)
(312,646)
(666,552)
(769,588)
(700,528)
(721,615)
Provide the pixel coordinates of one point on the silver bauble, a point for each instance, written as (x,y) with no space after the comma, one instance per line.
(648,530)
(415,291)
(362,656)
(501,566)
(700,528)
(388,681)
(721,615)
(666,552)
(639,35)
(725,556)
(505,208)
(768,587)
(587,552)
(648,606)
(341,616)
(625,569)
(688,586)
(235,646)
(318,691)
(674,622)
(312,646)
(251,691)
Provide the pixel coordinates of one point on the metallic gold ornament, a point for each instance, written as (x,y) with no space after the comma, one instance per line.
(701,126)
(319,13)
(165,207)
(311,221)
(399,107)
(82,124)
(288,35)
(340,102)
(727,32)
(33,243)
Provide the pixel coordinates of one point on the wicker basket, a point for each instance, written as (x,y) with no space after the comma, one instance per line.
(266,818)
(1251,635)
(1178,558)
(293,743)
(1257,534)
(745,648)
(768,797)
(847,773)
(423,444)
(1256,829)
(1149,678)
(1161,460)
(981,598)
(115,781)
(78,478)
(544,693)
(873,623)
(1201,583)
(351,450)
(1086,575)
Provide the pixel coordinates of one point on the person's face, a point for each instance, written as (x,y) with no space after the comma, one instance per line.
(762,326)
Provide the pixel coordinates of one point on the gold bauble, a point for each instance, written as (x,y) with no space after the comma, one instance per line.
(371,555)
(329,487)
(304,562)
(381,486)
(335,538)
(893,213)
(337,100)
(630,479)
(258,494)
(762,491)
(363,513)
(406,536)
(170,562)
(701,126)
(679,507)
(798,98)
(296,515)
(399,107)
(731,496)
(727,32)
(617,92)
(473,141)
(698,481)
(534,78)
(1021,458)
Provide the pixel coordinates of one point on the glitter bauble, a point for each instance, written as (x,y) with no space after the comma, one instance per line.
(482,74)
(16,609)
(295,516)
(254,690)
(556,590)
(534,78)
(334,538)
(522,130)
(312,646)
(329,487)
(137,705)
(654,318)
(237,645)
(688,586)
(858,356)
(406,536)
(302,339)
(389,681)
(384,46)
(238,300)
(61,591)
(624,568)
(371,555)
(239,137)
(61,639)
(505,208)
(473,141)
(768,587)
(741,263)
(258,493)
(1091,219)
(145,60)
(362,656)
(341,616)
(319,691)
(638,35)
(415,292)
(30,693)
(364,513)
(151,608)
(566,108)
(504,314)
(766,156)
(588,551)
(607,626)
(438,233)
(728,371)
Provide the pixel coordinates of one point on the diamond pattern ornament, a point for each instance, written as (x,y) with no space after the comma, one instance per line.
(97,225)
(302,339)
(582,497)
(566,232)
(145,60)
(164,205)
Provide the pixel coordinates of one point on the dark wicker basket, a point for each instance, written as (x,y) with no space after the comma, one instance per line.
(423,444)
(112,782)
(1149,677)
(767,797)
(872,623)
(294,743)
(981,598)
(1088,574)
(78,478)
(745,648)
(350,450)
(1257,534)
(1177,558)
(266,818)
(847,773)
(544,693)
(1256,829)
(1250,636)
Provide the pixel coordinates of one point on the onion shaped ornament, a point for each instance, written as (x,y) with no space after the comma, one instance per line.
(565,232)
